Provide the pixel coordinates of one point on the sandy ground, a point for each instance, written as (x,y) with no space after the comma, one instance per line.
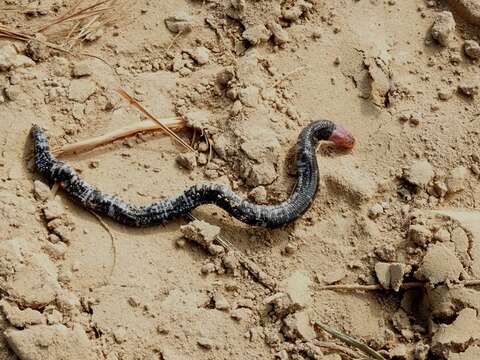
(402,76)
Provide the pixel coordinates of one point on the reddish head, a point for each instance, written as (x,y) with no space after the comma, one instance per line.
(341,137)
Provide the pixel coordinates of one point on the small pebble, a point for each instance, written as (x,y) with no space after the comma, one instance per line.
(200,55)
(82,68)
(120,335)
(221,302)
(134,301)
(456,179)
(468,88)
(375,211)
(187,160)
(205,342)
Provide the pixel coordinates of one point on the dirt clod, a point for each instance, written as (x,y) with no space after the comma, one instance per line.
(472,49)
(42,342)
(440,264)
(443,27)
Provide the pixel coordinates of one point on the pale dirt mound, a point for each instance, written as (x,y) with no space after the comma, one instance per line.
(402,76)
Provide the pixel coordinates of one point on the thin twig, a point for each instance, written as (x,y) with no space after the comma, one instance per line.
(140,127)
(54,190)
(112,238)
(174,40)
(287,75)
(349,340)
(404,286)
(71,14)
(139,107)
(335,347)
(12,34)
(210,147)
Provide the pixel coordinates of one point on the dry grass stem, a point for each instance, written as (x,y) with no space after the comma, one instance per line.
(112,238)
(140,127)
(404,286)
(83,22)
(78,23)
(139,107)
(336,347)
(349,341)
(8,33)
(287,75)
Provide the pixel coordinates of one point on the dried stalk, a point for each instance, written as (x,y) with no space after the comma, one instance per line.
(139,107)
(335,347)
(8,33)
(72,15)
(140,127)
(404,286)
(349,340)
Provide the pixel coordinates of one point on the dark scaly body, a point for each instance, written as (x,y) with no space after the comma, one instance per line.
(262,215)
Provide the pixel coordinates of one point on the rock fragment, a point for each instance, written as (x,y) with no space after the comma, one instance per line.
(41,190)
(443,28)
(249,96)
(21,318)
(41,342)
(120,335)
(256,34)
(456,179)
(445,94)
(38,50)
(57,250)
(221,302)
(241,314)
(440,264)
(180,22)
(375,211)
(53,210)
(198,119)
(465,329)
(187,160)
(280,35)
(419,234)
(203,234)
(445,302)
(472,49)
(259,195)
(201,55)
(205,342)
(390,275)
(468,9)
(81,89)
(295,12)
(468,88)
(82,68)
(297,326)
(297,288)
(356,186)
(9,59)
(262,174)
(334,276)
